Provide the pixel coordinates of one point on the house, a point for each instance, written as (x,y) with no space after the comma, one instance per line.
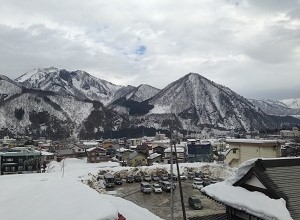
(47,157)
(143,148)
(240,150)
(261,189)
(154,158)
(290,133)
(199,152)
(137,159)
(181,154)
(158,149)
(17,161)
(65,153)
(122,154)
(96,155)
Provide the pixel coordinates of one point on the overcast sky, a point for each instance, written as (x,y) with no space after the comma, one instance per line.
(252,47)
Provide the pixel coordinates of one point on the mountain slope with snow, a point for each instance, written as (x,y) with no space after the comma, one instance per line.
(274,107)
(204,103)
(292,103)
(77,83)
(8,88)
(44,113)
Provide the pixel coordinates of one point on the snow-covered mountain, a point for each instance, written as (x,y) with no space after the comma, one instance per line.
(130,95)
(77,83)
(54,102)
(292,103)
(8,88)
(274,107)
(49,114)
(197,100)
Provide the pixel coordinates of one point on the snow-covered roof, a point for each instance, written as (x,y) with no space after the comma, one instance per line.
(253,141)
(54,197)
(178,149)
(154,155)
(90,149)
(90,143)
(46,153)
(254,203)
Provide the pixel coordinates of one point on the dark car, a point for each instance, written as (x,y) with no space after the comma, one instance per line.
(155,177)
(118,181)
(174,177)
(137,178)
(195,202)
(206,182)
(129,179)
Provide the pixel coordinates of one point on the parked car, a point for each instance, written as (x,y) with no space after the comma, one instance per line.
(129,179)
(206,182)
(155,178)
(157,188)
(197,185)
(182,177)
(166,186)
(164,178)
(195,202)
(137,178)
(198,179)
(199,174)
(147,178)
(118,181)
(146,187)
(191,175)
(174,177)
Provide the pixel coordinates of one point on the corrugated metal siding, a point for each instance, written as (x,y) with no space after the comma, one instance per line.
(286,181)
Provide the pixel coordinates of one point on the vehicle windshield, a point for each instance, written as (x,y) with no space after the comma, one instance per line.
(147,186)
(196,200)
(157,186)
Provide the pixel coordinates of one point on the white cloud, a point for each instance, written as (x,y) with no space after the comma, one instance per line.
(249,46)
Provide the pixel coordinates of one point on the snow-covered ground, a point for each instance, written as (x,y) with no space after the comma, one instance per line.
(60,193)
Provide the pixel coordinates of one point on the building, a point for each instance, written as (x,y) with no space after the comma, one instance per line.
(96,155)
(261,189)
(18,161)
(137,159)
(199,152)
(181,155)
(240,150)
(154,158)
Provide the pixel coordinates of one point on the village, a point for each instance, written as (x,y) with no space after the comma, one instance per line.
(24,155)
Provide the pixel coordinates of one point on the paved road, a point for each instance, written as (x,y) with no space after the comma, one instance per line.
(159,204)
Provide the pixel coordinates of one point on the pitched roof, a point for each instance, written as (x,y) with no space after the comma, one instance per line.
(281,177)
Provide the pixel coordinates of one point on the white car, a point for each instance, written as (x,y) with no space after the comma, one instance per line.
(197,185)
(182,177)
(157,188)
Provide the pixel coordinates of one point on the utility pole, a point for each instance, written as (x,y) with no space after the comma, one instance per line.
(180,187)
(172,185)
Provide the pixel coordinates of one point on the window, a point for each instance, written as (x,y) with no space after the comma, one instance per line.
(234,151)
(20,160)
(29,168)
(20,168)
(9,159)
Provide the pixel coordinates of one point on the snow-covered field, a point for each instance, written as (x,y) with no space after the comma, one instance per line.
(61,193)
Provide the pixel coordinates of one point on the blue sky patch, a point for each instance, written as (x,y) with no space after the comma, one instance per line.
(141,50)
